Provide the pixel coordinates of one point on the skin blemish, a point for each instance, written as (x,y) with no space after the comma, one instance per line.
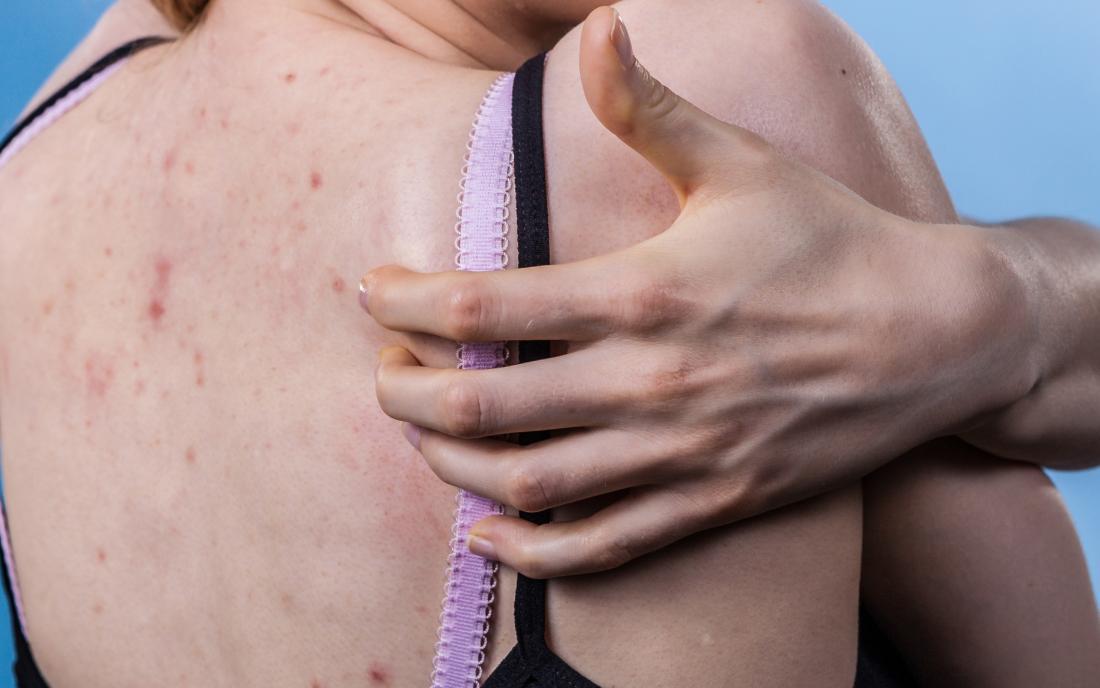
(379,675)
(97,608)
(315,180)
(339,285)
(843,71)
(139,388)
(108,251)
(189,167)
(290,77)
(300,226)
(325,71)
(315,683)
(100,555)
(224,123)
(294,128)
(156,310)
(169,161)
(98,375)
(189,455)
(47,307)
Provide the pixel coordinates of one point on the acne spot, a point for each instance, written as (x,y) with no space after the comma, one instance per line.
(421,609)
(294,128)
(224,123)
(100,555)
(315,180)
(378,674)
(300,226)
(316,684)
(189,167)
(97,608)
(47,307)
(169,161)
(98,375)
(325,71)
(290,77)
(339,285)
(139,388)
(202,114)
(108,251)
(189,455)
(156,310)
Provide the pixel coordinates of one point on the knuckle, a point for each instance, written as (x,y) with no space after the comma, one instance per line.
(466,312)
(608,551)
(653,305)
(526,489)
(463,412)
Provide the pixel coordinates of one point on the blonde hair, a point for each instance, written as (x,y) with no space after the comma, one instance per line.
(183,14)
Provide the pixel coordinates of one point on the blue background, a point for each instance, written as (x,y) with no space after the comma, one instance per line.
(1007,92)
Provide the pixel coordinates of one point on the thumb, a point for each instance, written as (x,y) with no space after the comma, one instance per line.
(688,146)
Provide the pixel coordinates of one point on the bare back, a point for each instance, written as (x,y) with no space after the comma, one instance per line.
(201,488)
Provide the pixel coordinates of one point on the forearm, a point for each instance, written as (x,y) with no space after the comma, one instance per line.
(1056,421)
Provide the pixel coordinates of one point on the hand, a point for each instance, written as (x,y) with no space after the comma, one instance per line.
(781,339)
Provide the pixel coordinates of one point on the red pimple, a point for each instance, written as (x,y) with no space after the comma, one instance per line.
(290,77)
(189,167)
(339,285)
(47,307)
(189,455)
(224,123)
(156,310)
(108,251)
(315,180)
(98,375)
(97,608)
(378,674)
(100,555)
(169,160)
(325,71)
(200,380)
(316,684)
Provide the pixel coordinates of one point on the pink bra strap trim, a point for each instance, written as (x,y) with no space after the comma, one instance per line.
(482,245)
(39,125)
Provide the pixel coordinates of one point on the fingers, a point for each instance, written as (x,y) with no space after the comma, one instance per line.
(541,476)
(691,148)
(645,520)
(540,395)
(561,302)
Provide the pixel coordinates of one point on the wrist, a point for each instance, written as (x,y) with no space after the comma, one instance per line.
(989,312)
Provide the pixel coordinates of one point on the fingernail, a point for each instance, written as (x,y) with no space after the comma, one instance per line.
(481,547)
(412,434)
(363,294)
(620,38)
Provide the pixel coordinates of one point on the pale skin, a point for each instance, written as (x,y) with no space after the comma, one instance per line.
(256,527)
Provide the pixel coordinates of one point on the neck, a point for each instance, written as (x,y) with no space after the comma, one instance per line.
(490,34)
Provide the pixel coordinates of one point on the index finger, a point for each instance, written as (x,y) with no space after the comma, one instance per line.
(574,301)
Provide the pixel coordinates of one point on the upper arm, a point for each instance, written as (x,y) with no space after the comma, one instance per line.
(124,21)
(787,69)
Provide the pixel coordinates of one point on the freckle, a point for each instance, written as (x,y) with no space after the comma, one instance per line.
(843,71)
(301,226)
(100,555)
(70,286)
(169,160)
(315,180)
(189,455)
(290,77)
(338,285)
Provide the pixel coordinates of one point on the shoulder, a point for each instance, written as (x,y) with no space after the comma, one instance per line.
(789,70)
(124,21)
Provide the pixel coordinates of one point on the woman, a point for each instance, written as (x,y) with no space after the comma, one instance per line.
(200,487)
